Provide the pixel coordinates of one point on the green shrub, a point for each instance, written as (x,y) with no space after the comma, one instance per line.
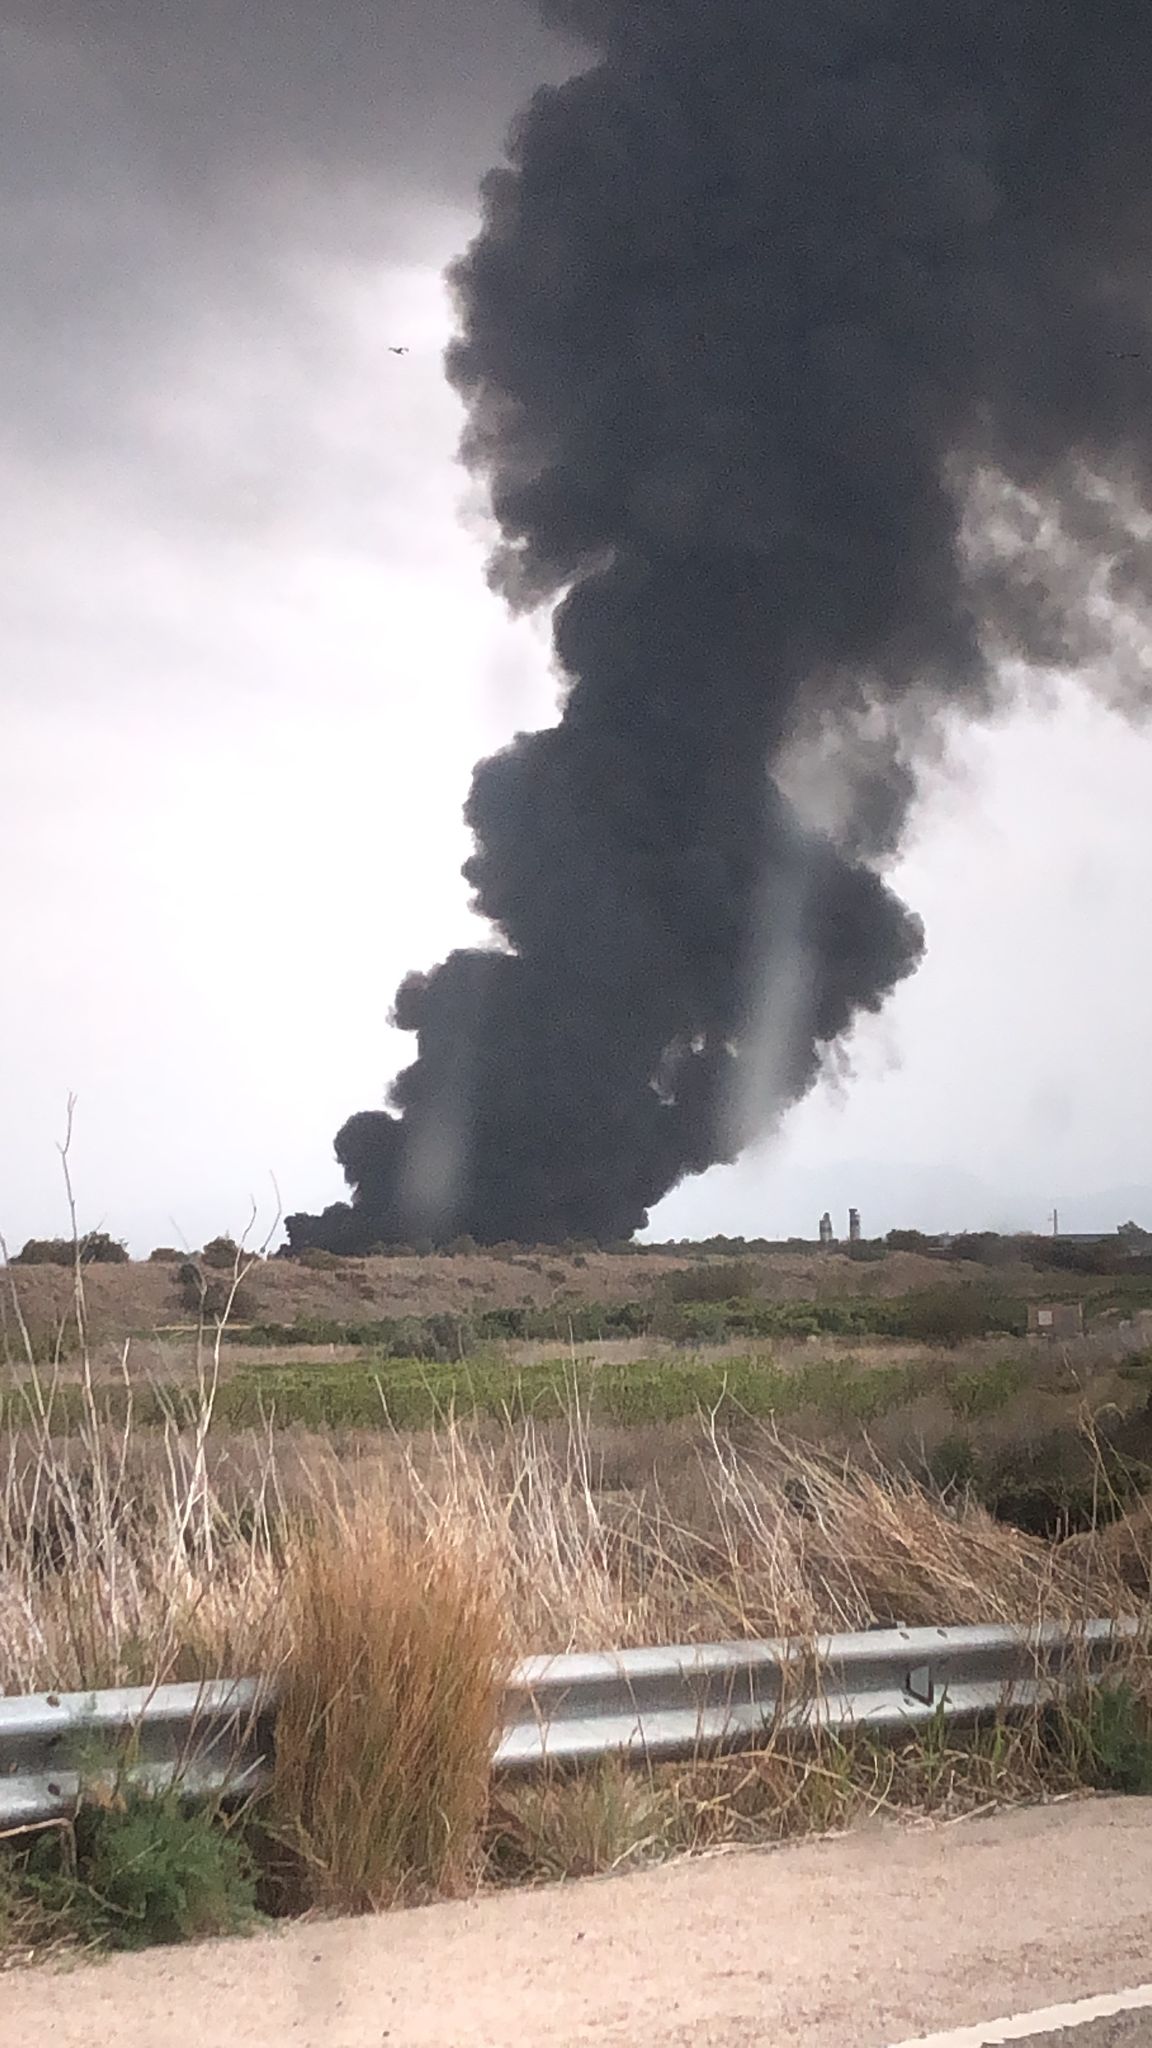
(957,1314)
(846,1393)
(984,1248)
(710,1283)
(144,1870)
(978,1395)
(1116,1737)
(221,1253)
(952,1465)
(98,1249)
(46,1251)
(190,1286)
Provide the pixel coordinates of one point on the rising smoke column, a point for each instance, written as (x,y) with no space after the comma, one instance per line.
(806,356)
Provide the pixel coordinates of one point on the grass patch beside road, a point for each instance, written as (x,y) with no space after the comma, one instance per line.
(390,1605)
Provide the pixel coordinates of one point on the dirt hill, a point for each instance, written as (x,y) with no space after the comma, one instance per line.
(138,1298)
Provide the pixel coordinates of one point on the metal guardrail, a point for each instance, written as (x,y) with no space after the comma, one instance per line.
(214,1738)
(658,1705)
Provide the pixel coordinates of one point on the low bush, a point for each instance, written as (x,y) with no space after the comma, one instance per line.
(952,1465)
(947,1317)
(95,1248)
(221,1253)
(710,1283)
(412,1394)
(136,1870)
(976,1395)
(612,1817)
(1110,1740)
(955,1315)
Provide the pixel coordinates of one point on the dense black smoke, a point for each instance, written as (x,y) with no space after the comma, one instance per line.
(806,354)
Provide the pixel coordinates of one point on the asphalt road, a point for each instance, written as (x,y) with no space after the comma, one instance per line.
(882,1938)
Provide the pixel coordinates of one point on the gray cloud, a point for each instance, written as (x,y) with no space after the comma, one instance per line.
(162,165)
(392,90)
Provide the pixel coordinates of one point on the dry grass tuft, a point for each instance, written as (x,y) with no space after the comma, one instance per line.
(771,1539)
(389,1701)
(558,1828)
(127,1562)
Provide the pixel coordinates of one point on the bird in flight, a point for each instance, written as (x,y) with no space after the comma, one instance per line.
(398,351)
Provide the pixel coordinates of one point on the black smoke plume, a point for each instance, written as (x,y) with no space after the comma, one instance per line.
(807,360)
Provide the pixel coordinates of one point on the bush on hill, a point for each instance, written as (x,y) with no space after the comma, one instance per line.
(96,1248)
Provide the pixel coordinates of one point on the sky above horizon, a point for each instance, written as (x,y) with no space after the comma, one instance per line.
(248,659)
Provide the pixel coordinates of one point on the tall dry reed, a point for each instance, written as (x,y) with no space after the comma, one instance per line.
(388,1709)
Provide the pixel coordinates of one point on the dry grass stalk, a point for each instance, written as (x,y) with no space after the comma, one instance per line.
(124,1559)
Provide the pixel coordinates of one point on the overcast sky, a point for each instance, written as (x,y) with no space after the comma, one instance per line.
(248,658)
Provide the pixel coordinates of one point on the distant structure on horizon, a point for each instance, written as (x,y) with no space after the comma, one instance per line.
(853,1226)
(827,1237)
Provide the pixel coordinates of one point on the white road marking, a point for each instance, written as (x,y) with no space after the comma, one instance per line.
(1026,2025)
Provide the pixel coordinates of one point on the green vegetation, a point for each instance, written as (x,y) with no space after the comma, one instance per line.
(132,1871)
(977,1395)
(680,1314)
(1110,1740)
(411,1394)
